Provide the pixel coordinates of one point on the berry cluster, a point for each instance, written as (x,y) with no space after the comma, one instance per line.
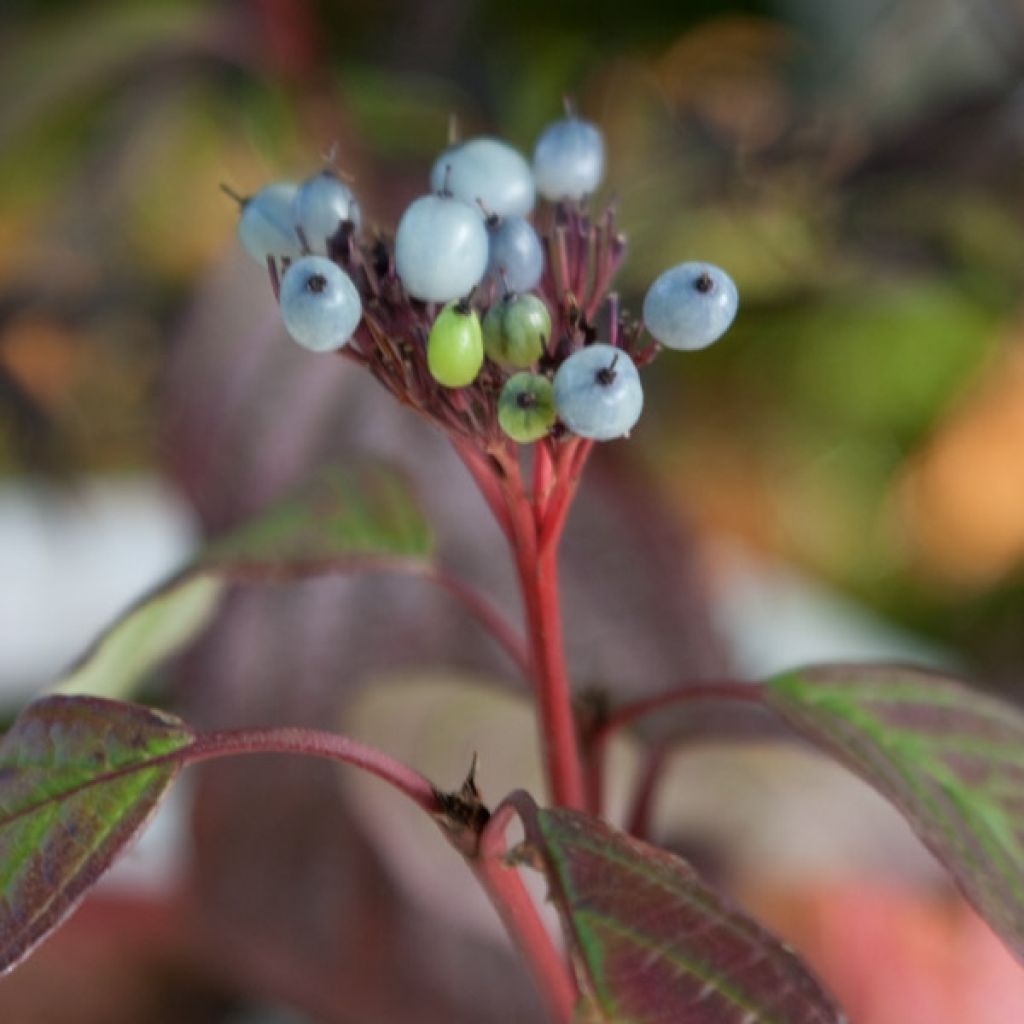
(482,319)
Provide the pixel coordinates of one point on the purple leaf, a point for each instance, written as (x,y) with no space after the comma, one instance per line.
(654,944)
(343,517)
(79,777)
(949,757)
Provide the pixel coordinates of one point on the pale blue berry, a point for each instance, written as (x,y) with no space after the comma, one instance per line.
(440,249)
(598,393)
(568,160)
(515,257)
(690,306)
(319,304)
(265,227)
(321,206)
(486,172)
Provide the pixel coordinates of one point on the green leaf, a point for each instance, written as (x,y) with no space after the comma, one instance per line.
(655,944)
(148,633)
(346,520)
(79,777)
(344,516)
(950,758)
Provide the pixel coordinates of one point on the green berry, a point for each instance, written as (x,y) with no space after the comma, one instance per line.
(455,347)
(516,330)
(526,408)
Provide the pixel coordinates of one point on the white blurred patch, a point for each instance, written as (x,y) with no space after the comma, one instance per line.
(773,618)
(71,560)
(156,862)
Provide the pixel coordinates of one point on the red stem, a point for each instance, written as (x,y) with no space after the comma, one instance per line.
(487,615)
(580,256)
(572,460)
(542,478)
(472,600)
(314,743)
(486,481)
(537,567)
(690,693)
(519,914)
(639,820)
(725,690)
(538,576)
(593,780)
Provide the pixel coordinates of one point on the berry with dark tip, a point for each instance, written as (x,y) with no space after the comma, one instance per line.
(690,306)
(598,393)
(526,407)
(319,304)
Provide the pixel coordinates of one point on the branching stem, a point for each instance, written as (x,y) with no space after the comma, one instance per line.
(533,521)
(691,693)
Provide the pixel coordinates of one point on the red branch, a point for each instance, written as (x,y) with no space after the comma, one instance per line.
(542,478)
(726,690)
(532,521)
(487,615)
(314,743)
(472,600)
(638,822)
(519,914)
(486,480)
(572,460)
(689,693)
(538,580)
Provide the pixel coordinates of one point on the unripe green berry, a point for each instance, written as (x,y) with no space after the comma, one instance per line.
(526,408)
(516,331)
(455,348)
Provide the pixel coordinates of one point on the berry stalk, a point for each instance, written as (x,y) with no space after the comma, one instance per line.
(539,582)
(537,569)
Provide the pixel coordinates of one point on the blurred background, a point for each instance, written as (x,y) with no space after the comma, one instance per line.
(842,476)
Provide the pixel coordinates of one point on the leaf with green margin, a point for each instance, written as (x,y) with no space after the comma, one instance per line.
(79,777)
(151,631)
(345,520)
(949,757)
(655,944)
(344,515)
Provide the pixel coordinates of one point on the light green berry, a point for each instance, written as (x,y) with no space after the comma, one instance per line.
(455,348)
(526,407)
(516,331)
